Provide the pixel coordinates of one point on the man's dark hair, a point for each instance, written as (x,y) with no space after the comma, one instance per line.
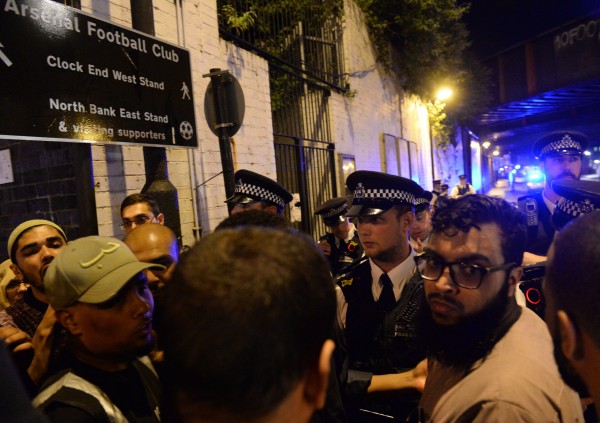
(246,315)
(573,275)
(254,218)
(474,210)
(132,199)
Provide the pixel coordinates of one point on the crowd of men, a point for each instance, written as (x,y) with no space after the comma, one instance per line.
(406,310)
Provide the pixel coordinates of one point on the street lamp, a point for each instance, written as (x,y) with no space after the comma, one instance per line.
(444,94)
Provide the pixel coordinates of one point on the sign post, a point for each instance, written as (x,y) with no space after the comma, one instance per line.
(66,76)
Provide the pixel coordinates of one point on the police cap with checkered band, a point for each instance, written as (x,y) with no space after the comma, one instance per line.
(250,187)
(374,192)
(333,211)
(560,142)
(423,201)
(579,197)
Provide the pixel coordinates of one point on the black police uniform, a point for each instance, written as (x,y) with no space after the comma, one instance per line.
(342,253)
(540,229)
(379,342)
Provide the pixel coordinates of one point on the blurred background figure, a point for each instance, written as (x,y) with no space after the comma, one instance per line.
(341,244)
(419,234)
(462,188)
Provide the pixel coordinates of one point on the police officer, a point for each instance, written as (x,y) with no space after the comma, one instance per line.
(380,295)
(419,234)
(257,192)
(341,244)
(560,155)
(462,188)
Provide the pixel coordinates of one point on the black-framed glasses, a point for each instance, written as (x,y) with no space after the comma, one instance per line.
(138,220)
(465,275)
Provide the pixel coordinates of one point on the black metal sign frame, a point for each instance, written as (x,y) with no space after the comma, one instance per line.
(67,76)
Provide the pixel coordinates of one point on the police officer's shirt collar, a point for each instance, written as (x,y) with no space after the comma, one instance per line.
(399,275)
(550,204)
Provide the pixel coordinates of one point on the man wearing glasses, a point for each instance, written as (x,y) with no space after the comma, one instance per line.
(489,359)
(138,209)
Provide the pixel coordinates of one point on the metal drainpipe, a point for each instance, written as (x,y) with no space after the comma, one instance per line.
(197,228)
(155,158)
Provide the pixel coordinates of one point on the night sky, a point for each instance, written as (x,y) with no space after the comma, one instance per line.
(498,24)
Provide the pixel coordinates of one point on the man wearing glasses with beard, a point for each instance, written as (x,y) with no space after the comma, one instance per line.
(488,358)
(560,155)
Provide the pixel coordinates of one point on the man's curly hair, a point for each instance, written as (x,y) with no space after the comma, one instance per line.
(471,211)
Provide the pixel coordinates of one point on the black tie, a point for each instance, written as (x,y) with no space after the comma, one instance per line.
(387,300)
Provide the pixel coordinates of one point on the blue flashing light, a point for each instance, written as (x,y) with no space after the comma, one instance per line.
(535,177)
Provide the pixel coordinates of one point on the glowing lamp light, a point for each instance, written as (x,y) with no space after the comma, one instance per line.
(517,167)
(496,153)
(587,153)
(444,94)
(597,161)
(486,144)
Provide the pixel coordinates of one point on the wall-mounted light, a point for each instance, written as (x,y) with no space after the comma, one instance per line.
(587,153)
(486,144)
(495,153)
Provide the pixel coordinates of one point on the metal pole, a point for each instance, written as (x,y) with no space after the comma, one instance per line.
(219,80)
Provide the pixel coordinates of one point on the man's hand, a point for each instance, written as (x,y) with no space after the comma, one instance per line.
(20,345)
(411,379)
(42,342)
(16,340)
(325,247)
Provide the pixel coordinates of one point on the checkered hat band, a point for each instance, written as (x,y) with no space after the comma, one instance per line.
(421,200)
(260,192)
(388,194)
(561,144)
(334,212)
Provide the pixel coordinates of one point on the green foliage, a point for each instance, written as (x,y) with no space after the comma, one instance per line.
(426,43)
(239,23)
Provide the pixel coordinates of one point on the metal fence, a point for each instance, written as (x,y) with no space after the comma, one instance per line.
(304,167)
(305,36)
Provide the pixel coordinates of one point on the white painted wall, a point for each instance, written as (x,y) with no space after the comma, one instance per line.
(377,107)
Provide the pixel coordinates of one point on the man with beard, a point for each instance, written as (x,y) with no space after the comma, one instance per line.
(489,359)
(572,298)
(560,155)
(379,297)
(101,297)
(32,246)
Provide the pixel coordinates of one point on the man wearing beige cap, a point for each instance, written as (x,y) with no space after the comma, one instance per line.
(101,297)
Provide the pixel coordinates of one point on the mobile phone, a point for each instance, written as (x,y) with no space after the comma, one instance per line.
(529,206)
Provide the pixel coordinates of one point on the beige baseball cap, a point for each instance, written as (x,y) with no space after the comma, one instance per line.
(91,270)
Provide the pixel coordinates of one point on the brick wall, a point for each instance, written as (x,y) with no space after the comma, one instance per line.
(44,187)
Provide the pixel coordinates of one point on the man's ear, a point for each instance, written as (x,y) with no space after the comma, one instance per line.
(67,319)
(568,335)
(17,272)
(514,277)
(160,218)
(317,379)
